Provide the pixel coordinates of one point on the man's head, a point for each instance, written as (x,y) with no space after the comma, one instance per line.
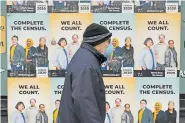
(103,46)
(161,38)
(171,105)
(97,36)
(33,102)
(171,43)
(42,107)
(127,107)
(158,106)
(107,106)
(118,102)
(15,40)
(57,104)
(143,103)
(42,41)
(75,38)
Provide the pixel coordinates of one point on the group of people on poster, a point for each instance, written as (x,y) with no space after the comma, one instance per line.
(151,57)
(28,57)
(156,57)
(30,115)
(63,53)
(121,57)
(33,114)
(159,56)
(118,114)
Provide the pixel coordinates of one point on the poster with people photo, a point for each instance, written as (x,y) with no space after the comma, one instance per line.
(27,44)
(158,45)
(120,107)
(157,100)
(29,100)
(63,6)
(109,6)
(57,86)
(27,6)
(66,35)
(122,27)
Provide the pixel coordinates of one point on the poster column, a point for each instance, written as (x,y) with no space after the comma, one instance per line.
(122,27)
(158,45)
(29,100)
(119,102)
(66,36)
(158,95)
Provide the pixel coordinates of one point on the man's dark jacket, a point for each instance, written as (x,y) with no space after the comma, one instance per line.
(83,97)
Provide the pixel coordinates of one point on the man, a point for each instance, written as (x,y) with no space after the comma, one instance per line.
(32,111)
(42,117)
(117,111)
(74,46)
(83,97)
(16,55)
(145,114)
(159,115)
(159,50)
(127,116)
(171,55)
(42,53)
(55,112)
(171,113)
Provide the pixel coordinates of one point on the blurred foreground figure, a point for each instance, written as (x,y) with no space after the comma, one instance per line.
(83,97)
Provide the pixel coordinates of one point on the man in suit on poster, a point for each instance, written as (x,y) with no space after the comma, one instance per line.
(145,115)
(16,55)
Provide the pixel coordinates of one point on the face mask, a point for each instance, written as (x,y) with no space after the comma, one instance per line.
(109,51)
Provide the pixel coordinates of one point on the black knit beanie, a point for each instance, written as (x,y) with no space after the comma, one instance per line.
(96,34)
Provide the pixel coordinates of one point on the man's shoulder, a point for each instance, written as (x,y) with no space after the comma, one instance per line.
(148,110)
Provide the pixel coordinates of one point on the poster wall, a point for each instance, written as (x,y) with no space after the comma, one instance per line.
(122,27)
(158,44)
(30,34)
(162,90)
(31,96)
(66,35)
(44,35)
(118,93)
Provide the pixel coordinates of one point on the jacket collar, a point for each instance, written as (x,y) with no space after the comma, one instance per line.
(101,58)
